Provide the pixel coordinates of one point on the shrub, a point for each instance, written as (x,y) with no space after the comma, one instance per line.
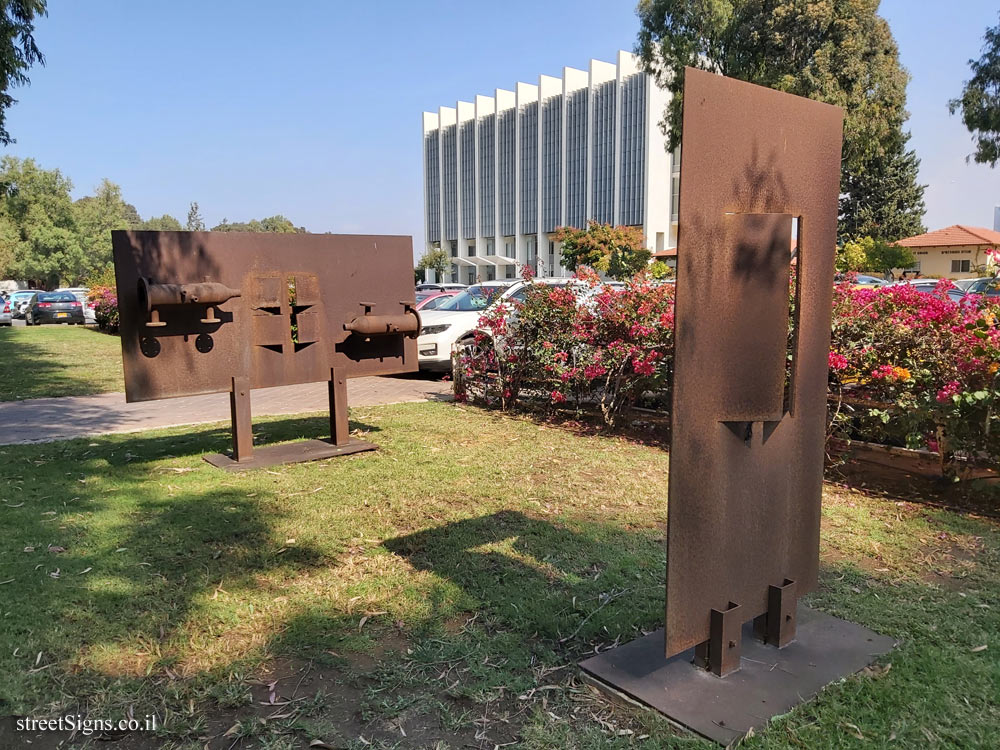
(922,367)
(906,368)
(571,344)
(105,300)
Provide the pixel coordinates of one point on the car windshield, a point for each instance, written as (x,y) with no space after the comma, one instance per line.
(60,297)
(472,299)
(981,286)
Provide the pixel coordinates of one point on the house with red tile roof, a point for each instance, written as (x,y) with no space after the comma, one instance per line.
(955,252)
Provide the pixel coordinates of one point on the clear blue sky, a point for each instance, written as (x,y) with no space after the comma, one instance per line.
(312,109)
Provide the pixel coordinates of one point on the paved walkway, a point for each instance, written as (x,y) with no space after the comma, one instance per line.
(44,419)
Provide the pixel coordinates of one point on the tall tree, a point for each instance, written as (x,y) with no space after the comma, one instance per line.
(18,52)
(885,201)
(38,228)
(96,217)
(836,51)
(194,221)
(980,101)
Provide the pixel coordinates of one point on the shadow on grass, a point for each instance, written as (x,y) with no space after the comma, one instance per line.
(544,580)
(208,440)
(95,571)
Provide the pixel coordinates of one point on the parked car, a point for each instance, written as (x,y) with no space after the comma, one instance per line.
(869,282)
(988,286)
(6,318)
(54,307)
(964,284)
(444,286)
(81,293)
(929,286)
(454,321)
(19,301)
(861,281)
(433,300)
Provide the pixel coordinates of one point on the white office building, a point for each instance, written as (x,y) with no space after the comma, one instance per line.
(501,173)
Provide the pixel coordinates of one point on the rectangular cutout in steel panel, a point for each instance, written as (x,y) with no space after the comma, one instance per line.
(752,293)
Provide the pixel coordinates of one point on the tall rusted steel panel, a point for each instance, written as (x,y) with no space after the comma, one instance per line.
(746,461)
(201,308)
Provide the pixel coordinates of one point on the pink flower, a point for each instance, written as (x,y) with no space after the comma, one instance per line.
(945,394)
(838,361)
(557,397)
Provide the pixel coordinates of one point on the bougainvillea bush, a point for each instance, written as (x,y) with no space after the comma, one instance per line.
(105,301)
(917,369)
(570,344)
(906,368)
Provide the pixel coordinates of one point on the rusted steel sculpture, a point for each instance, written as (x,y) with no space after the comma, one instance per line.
(760,179)
(205,312)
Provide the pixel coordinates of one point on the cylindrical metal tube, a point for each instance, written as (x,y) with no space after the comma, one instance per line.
(202,293)
(407,323)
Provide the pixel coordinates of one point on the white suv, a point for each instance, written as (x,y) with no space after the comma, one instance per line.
(454,323)
(457,320)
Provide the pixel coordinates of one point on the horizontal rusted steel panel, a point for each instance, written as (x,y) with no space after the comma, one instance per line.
(201,308)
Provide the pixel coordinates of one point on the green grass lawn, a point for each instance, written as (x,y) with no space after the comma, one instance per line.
(44,361)
(436,593)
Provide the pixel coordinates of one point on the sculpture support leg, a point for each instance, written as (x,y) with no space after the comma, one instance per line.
(776,627)
(720,654)
(239,405)
(339,429)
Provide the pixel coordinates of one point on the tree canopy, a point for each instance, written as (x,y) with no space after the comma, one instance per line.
(276,223)
(47,239)
(165,223)
(437,259)
(38,224)
(869,254)
(18,52)
(980,101)
(840,52)
(619,252)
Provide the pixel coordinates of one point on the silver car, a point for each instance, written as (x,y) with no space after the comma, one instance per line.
(6,317)
(19,300)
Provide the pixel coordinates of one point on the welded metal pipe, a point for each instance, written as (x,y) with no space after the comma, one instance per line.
(202,293)
(407,323)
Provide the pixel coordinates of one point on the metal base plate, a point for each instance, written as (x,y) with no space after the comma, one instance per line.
(769,683)
(289,453)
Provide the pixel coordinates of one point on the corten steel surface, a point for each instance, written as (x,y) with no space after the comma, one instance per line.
(770,681)
(746,458)
(199,309)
